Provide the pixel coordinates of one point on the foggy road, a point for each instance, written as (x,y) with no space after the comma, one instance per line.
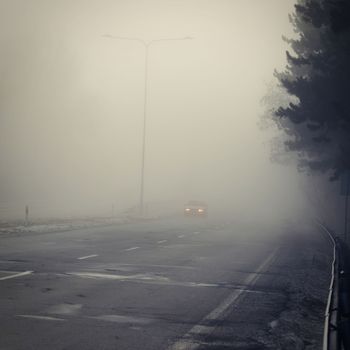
(116,112)
(167,284)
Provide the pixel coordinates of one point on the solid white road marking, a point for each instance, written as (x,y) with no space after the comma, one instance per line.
(181,236)
(87,257)
(163,241)
(138,277)
(20,274)
(188,342)
(123,319)
(162,266)
(164,281)
(132,248)
(45,318)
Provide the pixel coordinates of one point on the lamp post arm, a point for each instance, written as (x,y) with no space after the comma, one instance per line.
(148,43)
(141,41)
(144,42)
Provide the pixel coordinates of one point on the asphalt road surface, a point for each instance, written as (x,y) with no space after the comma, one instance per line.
(171,284)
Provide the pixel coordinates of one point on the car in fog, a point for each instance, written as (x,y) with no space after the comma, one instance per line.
(196,208)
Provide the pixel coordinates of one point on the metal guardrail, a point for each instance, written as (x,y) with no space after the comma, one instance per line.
(337,315)
(331,334)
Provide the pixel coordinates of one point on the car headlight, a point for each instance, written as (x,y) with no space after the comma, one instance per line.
(187,209)
(200,210)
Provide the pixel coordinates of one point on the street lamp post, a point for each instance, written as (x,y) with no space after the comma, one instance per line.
(146,45)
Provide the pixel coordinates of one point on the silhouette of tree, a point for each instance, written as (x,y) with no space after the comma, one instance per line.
(317,76)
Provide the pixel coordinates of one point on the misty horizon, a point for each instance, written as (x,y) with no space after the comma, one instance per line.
(72,105)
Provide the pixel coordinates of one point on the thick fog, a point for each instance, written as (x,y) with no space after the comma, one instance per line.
(72,104)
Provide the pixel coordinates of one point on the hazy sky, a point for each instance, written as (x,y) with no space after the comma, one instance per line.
(71,103)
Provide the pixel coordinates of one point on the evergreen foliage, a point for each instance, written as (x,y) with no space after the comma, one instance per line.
(317,75)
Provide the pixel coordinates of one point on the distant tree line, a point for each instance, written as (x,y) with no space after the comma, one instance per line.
(316,112)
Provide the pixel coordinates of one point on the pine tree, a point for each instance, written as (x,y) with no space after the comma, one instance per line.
(318,76)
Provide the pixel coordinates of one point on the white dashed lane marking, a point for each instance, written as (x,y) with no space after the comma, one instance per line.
(19,274)
(87,257)
(163,241)
(44,318)
(181,236)
(132,248)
